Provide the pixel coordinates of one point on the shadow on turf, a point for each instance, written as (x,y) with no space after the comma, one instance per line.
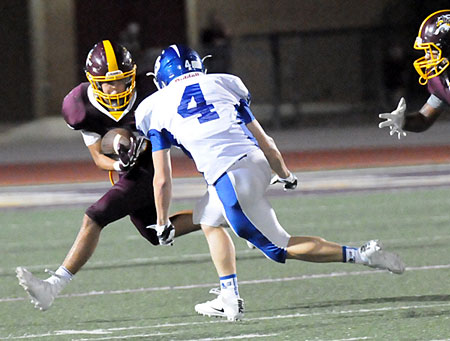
(197,260)
(377,300)
(325,304)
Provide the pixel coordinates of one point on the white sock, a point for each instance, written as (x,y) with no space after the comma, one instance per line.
(352,255)
(229,285)
(61,277)
(64,273)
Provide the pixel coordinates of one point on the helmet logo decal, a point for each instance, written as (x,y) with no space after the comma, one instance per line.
(443,19)
(443,24)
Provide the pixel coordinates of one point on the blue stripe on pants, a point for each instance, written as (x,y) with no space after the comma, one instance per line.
(241,224)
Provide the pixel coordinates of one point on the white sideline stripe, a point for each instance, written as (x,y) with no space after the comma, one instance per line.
(247,336)
(127,336)
(256,281)
(262,318)
(350,339)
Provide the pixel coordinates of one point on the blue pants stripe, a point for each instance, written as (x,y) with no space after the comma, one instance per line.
(241,225)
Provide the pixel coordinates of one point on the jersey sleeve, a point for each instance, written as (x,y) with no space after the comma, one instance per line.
(236,86)
(89,137)
(142,117)
(160,139)
(435,102)
(73,108)
(244,112)
(148,125)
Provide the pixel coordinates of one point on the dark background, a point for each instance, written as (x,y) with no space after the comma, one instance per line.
(164,22)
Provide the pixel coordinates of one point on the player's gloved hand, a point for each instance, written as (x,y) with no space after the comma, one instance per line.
(165,233)
(289,183)
(129,156)
(395,119)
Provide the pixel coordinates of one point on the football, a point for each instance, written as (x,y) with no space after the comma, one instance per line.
(113,138)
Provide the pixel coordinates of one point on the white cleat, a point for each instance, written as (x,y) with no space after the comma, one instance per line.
(377,258)
(41,292)
(230,307)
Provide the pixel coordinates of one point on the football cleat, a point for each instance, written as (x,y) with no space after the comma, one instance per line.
(230,307)
(376,257)
(41,292)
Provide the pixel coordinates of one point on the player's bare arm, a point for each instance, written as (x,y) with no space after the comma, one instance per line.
(421,120)
(162,184)
(273,155)
(101,160)
(270,149)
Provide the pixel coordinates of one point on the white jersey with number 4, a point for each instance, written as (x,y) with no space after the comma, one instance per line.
(199,113)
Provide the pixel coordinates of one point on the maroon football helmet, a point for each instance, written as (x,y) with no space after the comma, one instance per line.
(107,62)
(434,40)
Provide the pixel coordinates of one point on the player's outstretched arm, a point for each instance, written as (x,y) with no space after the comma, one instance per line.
(395,119)
(273,155)
(421,120)
(399,122)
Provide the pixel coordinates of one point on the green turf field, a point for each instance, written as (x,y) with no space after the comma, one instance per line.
(131,290)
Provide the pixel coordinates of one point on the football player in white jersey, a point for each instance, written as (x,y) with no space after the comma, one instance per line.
(208,115)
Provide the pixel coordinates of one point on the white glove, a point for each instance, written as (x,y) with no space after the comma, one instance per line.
(290,183)
(165,233)
(395,119)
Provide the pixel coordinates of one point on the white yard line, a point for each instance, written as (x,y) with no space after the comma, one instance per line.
(239,337)
(110,331)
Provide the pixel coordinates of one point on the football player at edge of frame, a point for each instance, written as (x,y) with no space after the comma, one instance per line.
(434,71)
(209,116)
(106,102)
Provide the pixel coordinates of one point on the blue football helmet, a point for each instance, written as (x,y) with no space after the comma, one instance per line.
(174,61)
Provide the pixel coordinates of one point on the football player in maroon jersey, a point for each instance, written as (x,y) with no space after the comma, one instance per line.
(434,70)
(108,101)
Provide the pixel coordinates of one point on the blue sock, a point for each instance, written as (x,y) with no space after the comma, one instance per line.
(351,255)
(229,284)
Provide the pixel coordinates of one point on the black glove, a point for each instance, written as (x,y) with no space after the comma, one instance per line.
(289,183)
(129,156)
(165,233)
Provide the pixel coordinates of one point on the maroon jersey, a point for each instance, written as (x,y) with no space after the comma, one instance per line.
(132,195)
(440,87)
(79,113)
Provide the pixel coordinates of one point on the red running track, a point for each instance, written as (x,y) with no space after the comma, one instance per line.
(86,171)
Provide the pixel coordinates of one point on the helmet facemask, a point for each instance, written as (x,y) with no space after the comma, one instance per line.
(113,101)
(432,64)
(434,40)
